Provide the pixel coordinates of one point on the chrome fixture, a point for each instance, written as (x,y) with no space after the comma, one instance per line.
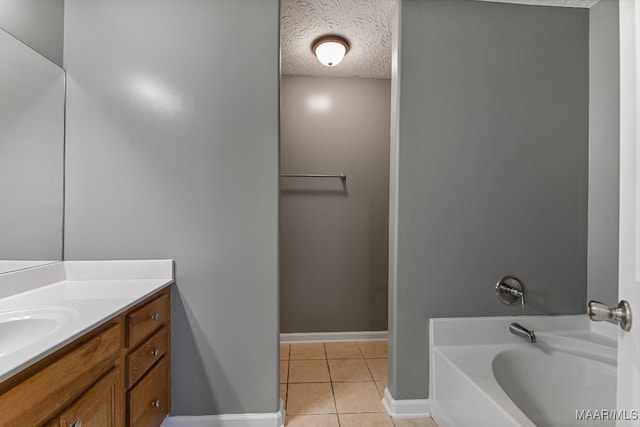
(510,290)
(521,331)
(342,176)
(621,314)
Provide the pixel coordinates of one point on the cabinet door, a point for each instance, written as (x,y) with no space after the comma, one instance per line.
(96,407)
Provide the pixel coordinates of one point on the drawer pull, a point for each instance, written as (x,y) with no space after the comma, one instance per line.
(155,316)
(155,403)
(77,423)
(155,352)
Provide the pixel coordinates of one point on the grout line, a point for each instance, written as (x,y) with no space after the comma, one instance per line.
(371,373)
(360,350)
(333,392)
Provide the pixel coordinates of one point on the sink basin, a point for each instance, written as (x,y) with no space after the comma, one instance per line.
(24,326)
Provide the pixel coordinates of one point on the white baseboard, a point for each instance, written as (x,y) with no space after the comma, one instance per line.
(229,420)
(407,408)
(310,337)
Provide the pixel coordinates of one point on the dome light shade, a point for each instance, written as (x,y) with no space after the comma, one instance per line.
(330,49)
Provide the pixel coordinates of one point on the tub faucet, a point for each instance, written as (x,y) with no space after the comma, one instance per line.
(521,331)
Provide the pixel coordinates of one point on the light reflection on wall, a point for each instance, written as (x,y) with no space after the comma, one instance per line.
(156,94)
(319,103)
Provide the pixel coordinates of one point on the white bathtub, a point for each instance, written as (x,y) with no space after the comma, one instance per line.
(482,375)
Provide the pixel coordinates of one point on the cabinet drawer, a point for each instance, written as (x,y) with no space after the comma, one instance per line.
(148,401)
(142,358)
(147,319)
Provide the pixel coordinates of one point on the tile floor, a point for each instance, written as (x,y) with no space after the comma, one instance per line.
(337,385)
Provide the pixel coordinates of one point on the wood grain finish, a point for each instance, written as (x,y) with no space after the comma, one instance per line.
(89,378)
(142,358)
(149,400)
(145,320)
(52,388)
(97,407)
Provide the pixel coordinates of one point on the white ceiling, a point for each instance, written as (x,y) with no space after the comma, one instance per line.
(365,23)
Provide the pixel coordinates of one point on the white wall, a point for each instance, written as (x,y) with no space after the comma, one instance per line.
(334,235)
(172,152)
(492,170)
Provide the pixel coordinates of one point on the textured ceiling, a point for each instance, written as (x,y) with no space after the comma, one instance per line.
(365,23)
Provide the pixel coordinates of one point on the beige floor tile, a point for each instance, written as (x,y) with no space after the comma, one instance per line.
(311,398)
(418,422)
(365,420)
(373,349)
(283,394)
(343,370)
(381,386)
(308,371)
(284,371)
(307,351)
(357,397)
(342,350)
(378,368)
(284,351)
(327,420)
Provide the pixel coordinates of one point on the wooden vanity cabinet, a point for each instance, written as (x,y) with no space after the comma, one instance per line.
(116,375)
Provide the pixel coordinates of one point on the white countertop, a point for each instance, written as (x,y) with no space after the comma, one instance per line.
(80,295)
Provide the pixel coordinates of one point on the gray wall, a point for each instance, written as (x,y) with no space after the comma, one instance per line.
(334,237)
(37,23)
(172,152)
(604,153)
(493,163)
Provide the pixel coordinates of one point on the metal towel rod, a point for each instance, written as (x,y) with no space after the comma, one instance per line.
(342,176)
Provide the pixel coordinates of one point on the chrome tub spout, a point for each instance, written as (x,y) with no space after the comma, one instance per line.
(521,331)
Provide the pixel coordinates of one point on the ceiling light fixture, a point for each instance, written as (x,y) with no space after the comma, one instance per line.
(330,49)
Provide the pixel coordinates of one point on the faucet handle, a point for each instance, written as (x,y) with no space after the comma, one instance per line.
(622,313)
(510,290)
(599,311)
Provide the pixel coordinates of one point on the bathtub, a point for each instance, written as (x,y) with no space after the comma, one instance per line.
(482,375)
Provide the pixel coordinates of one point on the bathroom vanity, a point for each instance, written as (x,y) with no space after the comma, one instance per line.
(86,343)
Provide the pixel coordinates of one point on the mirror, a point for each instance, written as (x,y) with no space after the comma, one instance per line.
(31,156)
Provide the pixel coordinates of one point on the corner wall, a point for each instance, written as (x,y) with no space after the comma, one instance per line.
(604,151)
(36,23)
(492,171)
(172,152)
